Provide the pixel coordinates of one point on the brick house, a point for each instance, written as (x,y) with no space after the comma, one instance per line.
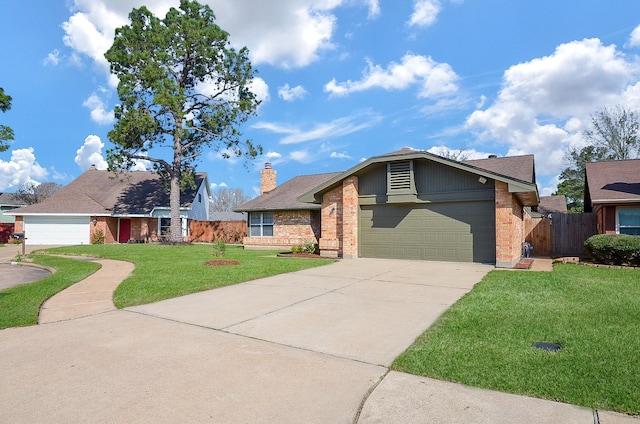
(132,206)
(407,204)
(612,192)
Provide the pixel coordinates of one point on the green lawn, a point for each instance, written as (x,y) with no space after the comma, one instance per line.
(164,271)
(485,339)
(20,305)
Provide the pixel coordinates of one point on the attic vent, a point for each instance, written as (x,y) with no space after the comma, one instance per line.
(400,176)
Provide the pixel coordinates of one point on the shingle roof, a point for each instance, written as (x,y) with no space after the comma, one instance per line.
(9,199)
(516,167)
(552,204)
(284,196)
(98,192)
(612,181)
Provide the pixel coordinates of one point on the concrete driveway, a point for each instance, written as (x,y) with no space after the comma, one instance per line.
(306,347)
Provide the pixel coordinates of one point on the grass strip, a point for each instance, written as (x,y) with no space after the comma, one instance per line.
(20,305)
(485,339)
(167,271)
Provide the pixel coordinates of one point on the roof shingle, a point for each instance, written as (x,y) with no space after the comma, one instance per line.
(97,192)
(611,181)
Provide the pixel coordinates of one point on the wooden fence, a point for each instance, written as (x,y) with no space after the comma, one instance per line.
(538,234)
(562,235)
(210,231)
(570,231)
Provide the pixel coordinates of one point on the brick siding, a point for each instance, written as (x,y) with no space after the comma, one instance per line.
(290,228)
(340,221)
(509,227)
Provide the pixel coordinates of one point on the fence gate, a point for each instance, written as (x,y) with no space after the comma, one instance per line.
(569,231)
(538,234)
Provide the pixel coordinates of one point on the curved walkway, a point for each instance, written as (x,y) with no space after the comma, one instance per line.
(93,295)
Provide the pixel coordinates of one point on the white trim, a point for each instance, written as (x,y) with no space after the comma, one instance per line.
(56,214)
(618,215)
(606,201)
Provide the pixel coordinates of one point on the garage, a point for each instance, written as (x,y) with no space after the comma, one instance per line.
(48,230)
(450,231)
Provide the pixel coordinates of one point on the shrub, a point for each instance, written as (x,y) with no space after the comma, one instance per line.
(219,248)
(614,249)
(296,249)
(309,247)
(97,237)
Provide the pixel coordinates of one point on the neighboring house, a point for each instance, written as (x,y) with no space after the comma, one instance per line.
(8,202)
(407,204)
(131,206)
(550,205)
(612,192)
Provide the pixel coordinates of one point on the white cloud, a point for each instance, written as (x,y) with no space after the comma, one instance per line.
(634,39)
(545,103)
(53,58)
(99,114)
(90,153)
(301,156)
(425,12)
(339,155)
(336,128)
(435,79)
(284,33)
(260,88)
(215,186)
(290,94)
(20,169)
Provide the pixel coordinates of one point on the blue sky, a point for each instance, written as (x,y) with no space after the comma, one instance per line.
(340,80)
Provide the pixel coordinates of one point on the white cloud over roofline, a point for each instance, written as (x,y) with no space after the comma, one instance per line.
(544,104)
(433,79)
(20,169)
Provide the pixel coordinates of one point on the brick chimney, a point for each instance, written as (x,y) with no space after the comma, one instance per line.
(267,178)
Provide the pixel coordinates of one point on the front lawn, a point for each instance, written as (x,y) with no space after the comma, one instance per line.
(485,339)
(164,271)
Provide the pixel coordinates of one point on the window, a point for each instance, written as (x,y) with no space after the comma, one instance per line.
(165,226)
(629,221)
(261,224)
(199,197)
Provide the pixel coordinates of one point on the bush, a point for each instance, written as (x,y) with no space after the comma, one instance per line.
(219,249)
(97,237)
(614,249)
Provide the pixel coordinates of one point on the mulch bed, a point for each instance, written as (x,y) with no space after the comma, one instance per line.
(220,262)
(525,263)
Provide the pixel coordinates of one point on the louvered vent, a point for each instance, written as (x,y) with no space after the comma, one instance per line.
(400,176)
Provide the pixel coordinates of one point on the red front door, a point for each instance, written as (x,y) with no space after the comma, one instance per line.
(125,231)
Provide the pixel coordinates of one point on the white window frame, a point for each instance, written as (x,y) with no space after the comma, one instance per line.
(261,224)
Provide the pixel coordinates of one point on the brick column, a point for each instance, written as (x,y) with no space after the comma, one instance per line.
(331,224)
(350,217)
(509,227)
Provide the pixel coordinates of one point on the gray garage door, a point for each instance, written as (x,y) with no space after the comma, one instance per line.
(463,232)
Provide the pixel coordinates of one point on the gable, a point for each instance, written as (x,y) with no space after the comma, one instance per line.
(432,173)
(612,182)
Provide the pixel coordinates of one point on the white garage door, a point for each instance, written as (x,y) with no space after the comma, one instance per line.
(56,230)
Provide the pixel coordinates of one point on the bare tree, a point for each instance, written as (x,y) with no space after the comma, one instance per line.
(617,131)
(226,199)
(31,193)
(457,154)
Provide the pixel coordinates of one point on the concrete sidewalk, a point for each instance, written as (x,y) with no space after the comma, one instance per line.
(91,296)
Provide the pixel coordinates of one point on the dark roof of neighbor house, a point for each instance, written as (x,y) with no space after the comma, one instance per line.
(10,199)
(615,181)
(552,204)
(97,192)
(285,196)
